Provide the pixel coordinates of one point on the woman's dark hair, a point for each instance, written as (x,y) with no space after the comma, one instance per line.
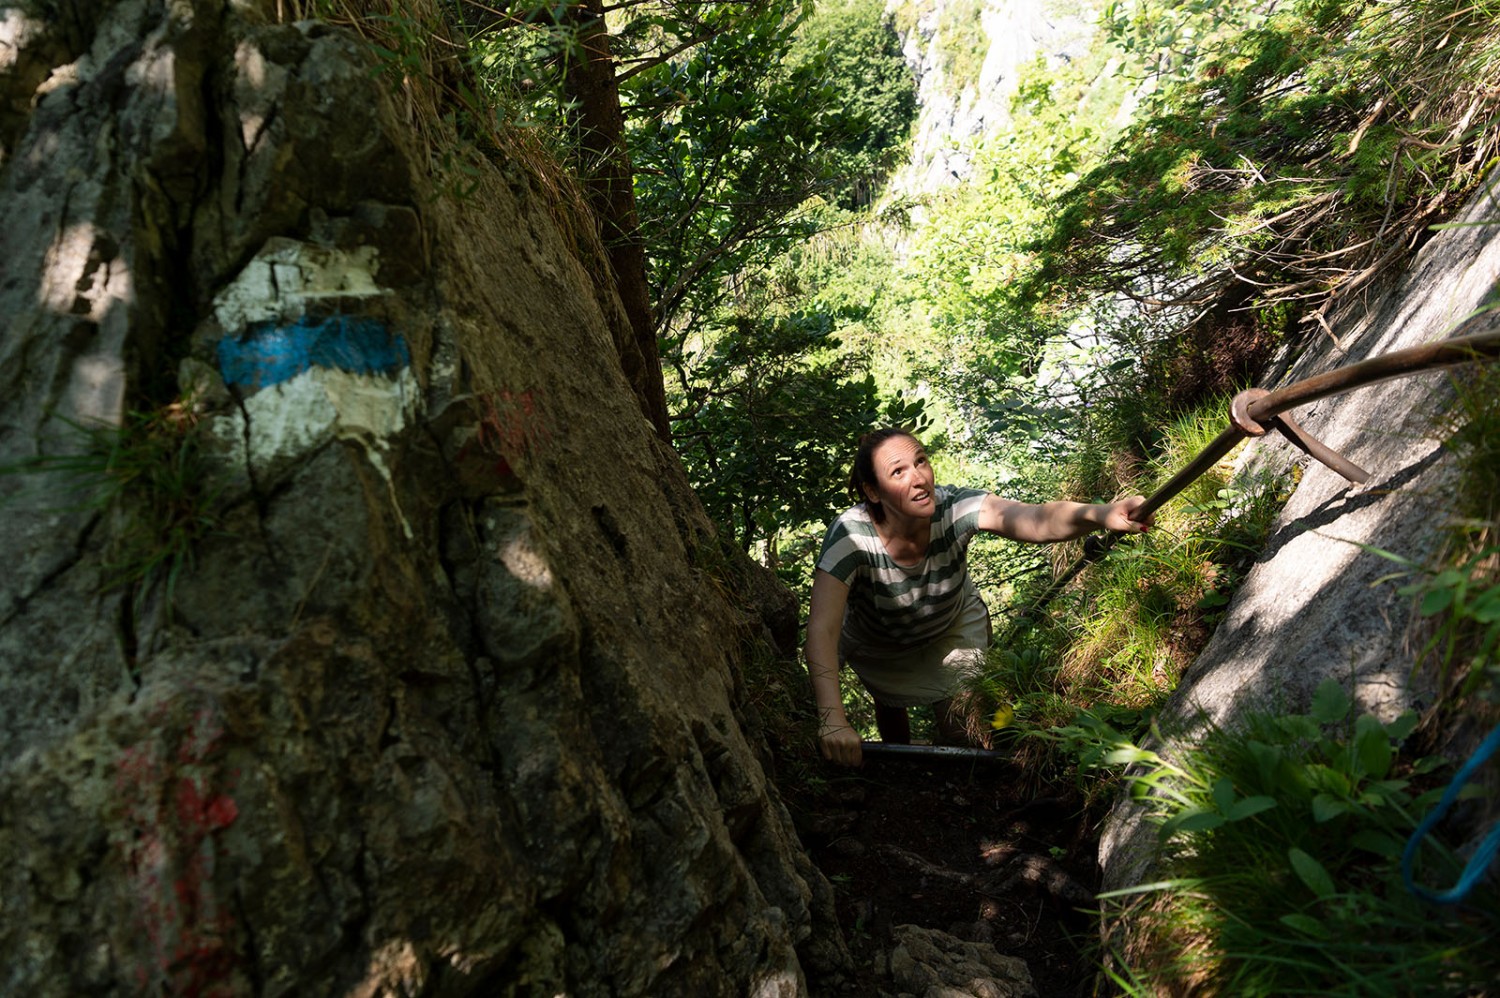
(863,472)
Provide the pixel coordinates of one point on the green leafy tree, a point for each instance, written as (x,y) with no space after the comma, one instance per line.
(767,423)
(739,141)
(737,145)
(606,73)
(1171,41)
(728,146)
(700,139)
(854,45)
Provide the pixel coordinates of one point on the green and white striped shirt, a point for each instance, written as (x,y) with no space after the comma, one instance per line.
(902,605)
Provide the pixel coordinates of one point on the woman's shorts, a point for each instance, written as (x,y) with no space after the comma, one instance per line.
(913,677)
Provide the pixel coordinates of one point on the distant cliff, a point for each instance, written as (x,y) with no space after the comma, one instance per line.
(968,56)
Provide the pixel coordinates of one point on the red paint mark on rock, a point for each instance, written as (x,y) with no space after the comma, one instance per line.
(175,800)
(512,423)
(221,812)
(511,426)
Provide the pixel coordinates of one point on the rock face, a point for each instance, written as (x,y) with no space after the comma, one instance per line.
(381,656)
(926,963)
(956,114)
(1310,608)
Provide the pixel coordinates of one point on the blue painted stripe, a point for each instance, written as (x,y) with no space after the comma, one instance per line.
(267,354)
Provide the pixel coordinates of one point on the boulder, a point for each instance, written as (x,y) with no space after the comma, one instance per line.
(359,636)
(929,963)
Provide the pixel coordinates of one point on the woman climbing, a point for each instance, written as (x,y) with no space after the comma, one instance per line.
(892,595)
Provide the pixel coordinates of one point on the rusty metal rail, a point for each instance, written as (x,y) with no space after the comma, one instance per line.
(1256,411)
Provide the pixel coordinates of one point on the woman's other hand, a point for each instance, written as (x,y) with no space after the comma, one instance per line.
(839,742)
(836,739)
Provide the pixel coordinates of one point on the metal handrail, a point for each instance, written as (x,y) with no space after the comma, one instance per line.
(928,753)
(1255,410)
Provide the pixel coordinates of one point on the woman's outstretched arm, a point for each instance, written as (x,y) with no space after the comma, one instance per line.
(1044,523)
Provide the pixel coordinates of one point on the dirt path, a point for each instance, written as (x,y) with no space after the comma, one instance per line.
(962,847)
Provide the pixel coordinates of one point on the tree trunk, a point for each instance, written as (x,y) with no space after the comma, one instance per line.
(605,166)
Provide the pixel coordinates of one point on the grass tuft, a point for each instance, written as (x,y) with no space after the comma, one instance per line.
(1118,639)
(1281,850)
(151,478)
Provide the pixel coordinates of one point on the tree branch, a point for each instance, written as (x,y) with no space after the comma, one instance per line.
(651,62)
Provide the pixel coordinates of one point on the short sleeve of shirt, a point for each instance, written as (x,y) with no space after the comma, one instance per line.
(903,604)
(963,508)
(848,545)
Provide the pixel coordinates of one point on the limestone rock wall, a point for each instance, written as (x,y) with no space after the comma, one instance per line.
(380,658)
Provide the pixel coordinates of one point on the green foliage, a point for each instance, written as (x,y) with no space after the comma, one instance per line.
(734,143)
(1172,41)
(962,42)
(1024,375)
(404,50)
(853,46)
(1118,640)
(974,246)
(728,143)
(1464,600)
(849,269)
(1282,843)
(735,116)
(859,706)
(152,481)
(735,146)
(766,420)
(519,70)
(1287,161)
(1473,437)
(1464,597)
(939,309)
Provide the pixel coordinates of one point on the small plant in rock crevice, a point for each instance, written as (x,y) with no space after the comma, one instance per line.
(1461,598)
(151,479)
(1460,604)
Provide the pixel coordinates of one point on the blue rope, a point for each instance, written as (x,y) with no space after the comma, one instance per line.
(1480,861)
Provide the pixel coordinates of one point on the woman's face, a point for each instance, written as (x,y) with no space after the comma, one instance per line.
(903,479)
